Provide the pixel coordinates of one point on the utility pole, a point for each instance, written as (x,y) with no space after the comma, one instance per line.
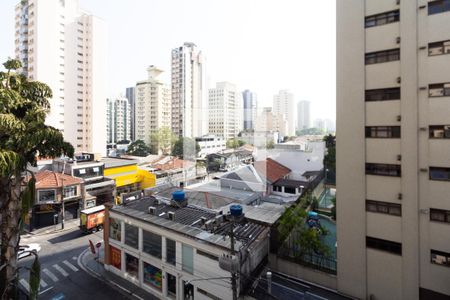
(62,196)
(233,272)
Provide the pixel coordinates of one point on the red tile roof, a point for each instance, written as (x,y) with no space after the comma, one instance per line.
(171,163)
(271,170)
(49,179)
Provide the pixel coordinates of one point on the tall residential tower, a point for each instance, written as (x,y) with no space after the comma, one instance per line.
(284,108)
(303,114)
(118,120)
(250,109)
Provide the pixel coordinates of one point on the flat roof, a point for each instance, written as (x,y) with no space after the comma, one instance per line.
(112,162)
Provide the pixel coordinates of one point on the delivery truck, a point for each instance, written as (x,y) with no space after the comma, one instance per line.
(91,219)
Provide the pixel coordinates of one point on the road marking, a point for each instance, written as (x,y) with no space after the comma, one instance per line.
(40,293)
(61,270)
(25,284)
(74,258)
(75,269)
(50,274)
(43,283)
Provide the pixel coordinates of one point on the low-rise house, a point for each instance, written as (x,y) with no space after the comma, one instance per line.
(210,144)
(228,160)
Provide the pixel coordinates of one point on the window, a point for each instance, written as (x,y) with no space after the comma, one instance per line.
(383,18)
(47,195)
(115,229)
(171,251)
(276,188)
(440,258)
(383,169)
(439,48)
(70,191)
(384,207)
(116,257)
(382,56)
(384,245)
(132,265)
(206,254)
(187,253)
(439,132)
(440,215)
(439,90)
(383,94)
(131,236)
(439,6)
(289,190)
(382,131)
(171,285)
(152,276)
(437,173)
(151,243)
(207,294)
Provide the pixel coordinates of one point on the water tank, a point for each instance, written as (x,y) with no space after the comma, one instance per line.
(236,210)
(178,196)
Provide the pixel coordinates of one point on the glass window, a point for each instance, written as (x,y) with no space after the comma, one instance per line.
(440,215)
(131,236)
(382,56)
(383,169)
(171,285)
(187,258)
(439,173)
(289,190)
(383,18)
(384,245)
(115,229)
(70,191)
(116,257)
(382,94)
(151,243)
(384,207)
(152,276)
(47,195)
(170,251)
(132,265)
(439,6)
(440,258)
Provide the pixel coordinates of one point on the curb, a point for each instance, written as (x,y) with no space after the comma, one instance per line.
(48,231)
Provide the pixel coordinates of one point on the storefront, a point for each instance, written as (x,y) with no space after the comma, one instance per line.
(45,215)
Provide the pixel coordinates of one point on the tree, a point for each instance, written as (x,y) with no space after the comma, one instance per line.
(138,148)
(310,131)
(333,208)
(163,140)
(186,148)
(23,137)
(270,145)
(235,143)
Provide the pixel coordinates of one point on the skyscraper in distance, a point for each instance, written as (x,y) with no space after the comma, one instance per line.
(303,114)
(283,105)
(250,109)
(118,119)
(130,95)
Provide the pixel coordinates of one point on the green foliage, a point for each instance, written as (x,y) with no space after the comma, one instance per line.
(186,148)
(35,278)
(235,143)
(333,209)
(138,148)
(310,131)
(329,160)
(270,145)
(163,140)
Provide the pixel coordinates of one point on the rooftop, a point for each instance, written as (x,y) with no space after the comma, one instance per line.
(271,170)
(49,179)
(112,162)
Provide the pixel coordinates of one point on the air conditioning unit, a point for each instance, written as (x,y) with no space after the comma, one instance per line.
(447,131)
(399,157)
(438,133)
(171,215)
(399,118)
(400,196)
(399,79)
(152,210)
(397,40)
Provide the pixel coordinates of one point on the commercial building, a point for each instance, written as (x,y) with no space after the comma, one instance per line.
(153,105)
(225,117)
(118,120)
(130,95)
(210,144)
(61,45)
(189,107)
(303,114)
(392,149)
(284,108)
(250,109)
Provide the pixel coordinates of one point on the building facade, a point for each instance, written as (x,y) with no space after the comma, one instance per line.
(130,95)
(153,105)
(250,109)
(284,107)
(393,165)
(225,116)
(118,120)
(303,114)
(65,47)
(210,144)
(189,107)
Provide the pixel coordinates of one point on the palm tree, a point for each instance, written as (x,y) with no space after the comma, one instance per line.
(23,137)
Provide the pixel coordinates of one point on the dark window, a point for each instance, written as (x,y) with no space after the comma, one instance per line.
(276,188)
(47,195)
(440,215)
(384,207)
(88,172)
(382,131)
(381,19)
(132,265)
(171,285)
(437,173)
(439,6)
(115,229)
(151,243)
(382,56)
(383,94)
(170,251)
(439,132)
(440,258)
(384,245)
(439,90)
(383,169)
(131,235)
(289,190)
(439,48)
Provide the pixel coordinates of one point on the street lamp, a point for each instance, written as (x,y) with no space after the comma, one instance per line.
(63,215)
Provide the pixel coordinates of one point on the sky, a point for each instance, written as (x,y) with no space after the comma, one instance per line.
(261,45)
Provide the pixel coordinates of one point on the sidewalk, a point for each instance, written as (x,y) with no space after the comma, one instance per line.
(68,225)
(95,268)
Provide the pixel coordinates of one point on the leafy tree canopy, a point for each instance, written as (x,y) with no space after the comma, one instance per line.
(163,140)
(186,148)
(138,148)
(235,143)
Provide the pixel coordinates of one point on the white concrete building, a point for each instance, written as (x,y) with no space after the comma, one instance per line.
(393,167)
(225,110)
(189,103)
(65,47)
(283,104)
(153,105)
(210,144)
(118,120)
(303,114)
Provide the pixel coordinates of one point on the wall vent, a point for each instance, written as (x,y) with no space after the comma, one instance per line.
(399,79)
(399,118)
(400,196)
(397,40)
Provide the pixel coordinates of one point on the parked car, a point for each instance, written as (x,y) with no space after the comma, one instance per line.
(25,250)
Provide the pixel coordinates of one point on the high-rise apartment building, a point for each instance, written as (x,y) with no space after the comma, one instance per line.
(130,95)
(250,109)
(189,108)
(118,120)
(225,110)
(303,114)
(65,47)
(283,104)
(393,166)
(153,105)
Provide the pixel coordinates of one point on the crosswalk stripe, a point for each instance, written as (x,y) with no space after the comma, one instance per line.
(43,284)
(75,269)
(50,274)
(25,284)
(61,270)
(74,258)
